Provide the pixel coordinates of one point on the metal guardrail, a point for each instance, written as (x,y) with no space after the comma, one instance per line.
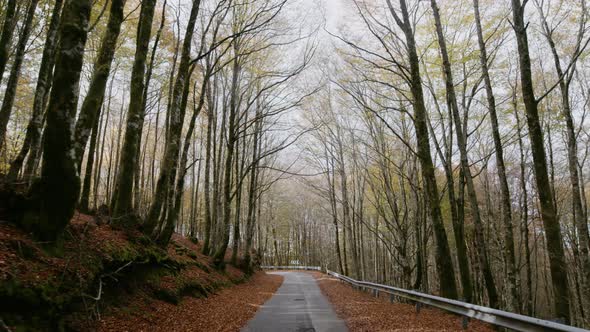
(291,267)
(467,310)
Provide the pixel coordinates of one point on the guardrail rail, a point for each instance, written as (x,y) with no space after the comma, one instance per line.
(291,267)
(492,316)
(467,310)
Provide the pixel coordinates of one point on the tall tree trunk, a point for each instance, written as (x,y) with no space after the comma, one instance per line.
(207,180)
(85,197)
(332,190)
(240,164)
(510,256)
(59,185)
(90,111)
(10,92)
(462,144)
(444,263)
(456,205)
(553,235)
(231,140)
(123,208)
(173,210)
(346,220)
(177,112)
(148,77)
(579,217)
(252,191)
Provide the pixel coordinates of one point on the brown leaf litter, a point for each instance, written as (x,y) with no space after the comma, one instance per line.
(363,312)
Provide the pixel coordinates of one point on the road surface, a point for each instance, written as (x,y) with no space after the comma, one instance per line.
(298,305)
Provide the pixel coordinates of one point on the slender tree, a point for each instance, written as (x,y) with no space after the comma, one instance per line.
(15,71)
(510,254)
(6,37)
(122,202)
(461,142)
(90,111)
(444,264)
(553,235)
(31,144)
(177,111)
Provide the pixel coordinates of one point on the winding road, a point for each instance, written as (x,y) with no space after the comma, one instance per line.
(298,305)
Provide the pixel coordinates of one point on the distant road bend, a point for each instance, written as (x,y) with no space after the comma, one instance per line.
(298,305)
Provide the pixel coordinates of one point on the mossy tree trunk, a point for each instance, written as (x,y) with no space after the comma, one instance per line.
(123,200)
(174,211)
(177,112)
(85,196)
(59,184)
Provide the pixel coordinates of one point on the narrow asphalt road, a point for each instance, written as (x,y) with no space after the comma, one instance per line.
(298,305)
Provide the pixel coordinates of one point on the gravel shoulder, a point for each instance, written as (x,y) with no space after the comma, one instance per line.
(226,311)
(363,312)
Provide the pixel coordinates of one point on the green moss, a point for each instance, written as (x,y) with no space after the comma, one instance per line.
(44,304)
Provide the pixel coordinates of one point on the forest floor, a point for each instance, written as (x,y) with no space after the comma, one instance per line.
(363,312)
(103,278)
(226,311)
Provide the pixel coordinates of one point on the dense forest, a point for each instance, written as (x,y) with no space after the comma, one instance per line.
(437,146)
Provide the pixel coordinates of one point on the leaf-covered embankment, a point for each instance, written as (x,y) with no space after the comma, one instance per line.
(99,271)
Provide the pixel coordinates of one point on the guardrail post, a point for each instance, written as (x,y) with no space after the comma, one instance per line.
(375,293)
(464,322)
(391,298)
(418,307)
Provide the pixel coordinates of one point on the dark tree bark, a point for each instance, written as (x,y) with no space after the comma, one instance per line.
(148,77)
(85,196)
(462,144)
(10,92)
(553,236)
(513,297)
(444,263)
(252,191)
(90,111)
(456,216)
(524,229)
(579,215)
(207,180)
(239,171)
(59,184)
(122,207)
(346,218)
(6,38)
(177,112)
